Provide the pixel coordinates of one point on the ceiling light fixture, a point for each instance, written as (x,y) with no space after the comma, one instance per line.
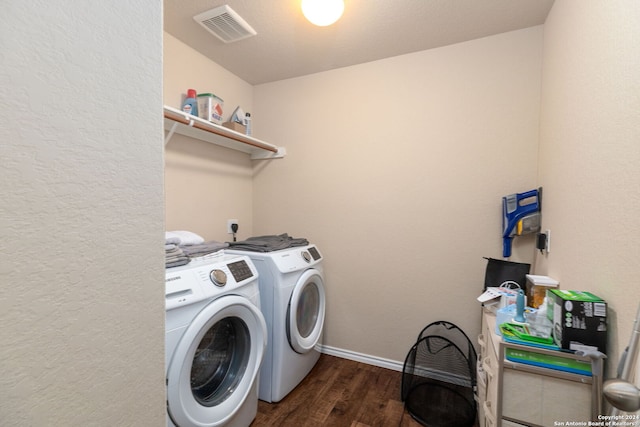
(322,12)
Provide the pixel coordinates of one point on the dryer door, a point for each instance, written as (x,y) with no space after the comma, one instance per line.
(216,363)
(305,314)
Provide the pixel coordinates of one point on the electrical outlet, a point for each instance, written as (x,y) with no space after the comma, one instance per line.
(230,222)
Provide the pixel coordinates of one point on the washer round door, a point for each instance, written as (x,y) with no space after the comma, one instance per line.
(216,363)
(305,314)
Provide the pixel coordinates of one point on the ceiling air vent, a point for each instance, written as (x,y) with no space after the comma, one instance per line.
(224,23)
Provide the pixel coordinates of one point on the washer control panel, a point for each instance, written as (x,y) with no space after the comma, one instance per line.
(199,280)
(240,270)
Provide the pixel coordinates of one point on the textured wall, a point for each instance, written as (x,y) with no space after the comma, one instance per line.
(396,169)
(590,152)
(82,214)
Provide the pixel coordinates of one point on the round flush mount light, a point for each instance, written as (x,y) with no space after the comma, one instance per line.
(322,12)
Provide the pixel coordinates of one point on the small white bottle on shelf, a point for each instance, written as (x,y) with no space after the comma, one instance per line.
(247,123)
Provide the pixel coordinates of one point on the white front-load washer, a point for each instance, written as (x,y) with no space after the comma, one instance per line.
(292,296)
(215,342)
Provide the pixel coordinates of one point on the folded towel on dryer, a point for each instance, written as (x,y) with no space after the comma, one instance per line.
(171,240)
(268,243)
(203,248)
(173,256)
(178,262)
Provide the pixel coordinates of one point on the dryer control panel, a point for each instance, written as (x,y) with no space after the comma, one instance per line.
(296,258)
(313,251)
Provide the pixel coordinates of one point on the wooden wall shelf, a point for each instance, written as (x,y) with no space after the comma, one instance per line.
(176,121)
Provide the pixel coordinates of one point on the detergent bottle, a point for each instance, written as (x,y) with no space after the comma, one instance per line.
(190,104)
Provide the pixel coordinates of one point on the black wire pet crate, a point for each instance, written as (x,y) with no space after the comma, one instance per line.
(439,377)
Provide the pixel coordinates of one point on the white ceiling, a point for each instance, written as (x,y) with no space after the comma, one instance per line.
(287,45)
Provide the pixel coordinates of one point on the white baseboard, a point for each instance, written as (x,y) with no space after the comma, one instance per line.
(363,358)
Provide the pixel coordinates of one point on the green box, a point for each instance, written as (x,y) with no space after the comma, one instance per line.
(579,320)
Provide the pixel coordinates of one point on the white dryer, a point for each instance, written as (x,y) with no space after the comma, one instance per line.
(215,342)
(292,297)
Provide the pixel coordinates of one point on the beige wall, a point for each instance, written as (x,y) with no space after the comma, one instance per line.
(590,152)
(81,218)
(396,169)
(205,184)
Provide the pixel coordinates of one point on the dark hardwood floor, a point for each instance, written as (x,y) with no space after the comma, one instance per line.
(340,392)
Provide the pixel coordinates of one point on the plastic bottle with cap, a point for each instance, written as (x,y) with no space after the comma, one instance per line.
(247,123)
(190,104)
(520,307)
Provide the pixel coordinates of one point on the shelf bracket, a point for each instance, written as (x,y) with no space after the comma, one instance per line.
(171,132)
(282,151)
